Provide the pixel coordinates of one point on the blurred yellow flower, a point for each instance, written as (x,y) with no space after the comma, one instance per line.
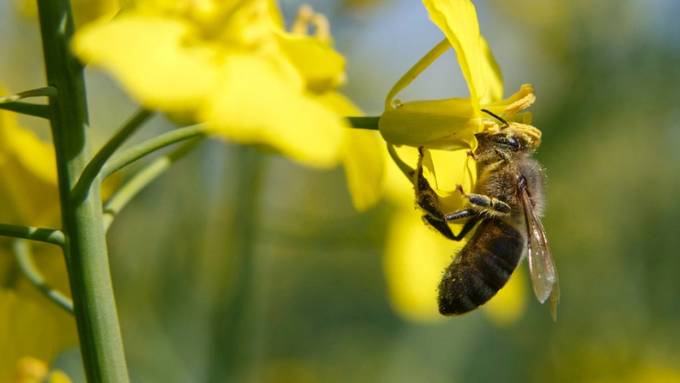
(32,370)
(416,255)
(230,64)
(234,66)
(29,323)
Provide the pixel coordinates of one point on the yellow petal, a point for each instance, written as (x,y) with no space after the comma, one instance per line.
(363,155)
(510,302)
(458,20)
(31,153)
(321,66)
(364,164)
(438,124)
(450,169)
(31,198)
(152,58)
(493,75)
(259,103)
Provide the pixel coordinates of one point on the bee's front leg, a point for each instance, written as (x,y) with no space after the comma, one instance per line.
(490,205)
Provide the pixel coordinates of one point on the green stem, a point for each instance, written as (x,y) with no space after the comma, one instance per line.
(94,167)
(35,110)
(46,91)
(370,123)
(233,319)
(24,257)
(53,236)
(147,147)
(101,343)
(140,180)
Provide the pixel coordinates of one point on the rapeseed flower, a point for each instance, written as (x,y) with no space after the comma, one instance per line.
(233,66)
(32,370)
(416,255)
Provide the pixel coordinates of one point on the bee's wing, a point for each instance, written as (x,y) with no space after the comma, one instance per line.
(541,266)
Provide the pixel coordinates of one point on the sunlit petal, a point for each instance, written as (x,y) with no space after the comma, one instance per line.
(152,59)
(458,20)
(242,112)
(362,155)
(439,124)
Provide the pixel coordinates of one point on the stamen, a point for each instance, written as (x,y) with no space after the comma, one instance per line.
(306,19)
(521,104)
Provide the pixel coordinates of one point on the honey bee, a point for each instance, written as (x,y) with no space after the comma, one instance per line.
(506,206)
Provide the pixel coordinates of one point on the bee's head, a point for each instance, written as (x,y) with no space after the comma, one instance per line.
(512,136)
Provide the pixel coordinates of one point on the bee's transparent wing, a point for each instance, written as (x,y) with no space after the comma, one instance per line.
(541,266)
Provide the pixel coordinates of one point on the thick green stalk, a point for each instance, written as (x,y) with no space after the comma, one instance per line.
(232,332)
(86,254)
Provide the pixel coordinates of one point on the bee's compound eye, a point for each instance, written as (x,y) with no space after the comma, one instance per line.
(509,141)
(513,142)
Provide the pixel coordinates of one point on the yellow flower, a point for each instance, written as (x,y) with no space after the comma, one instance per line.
(233,66)
(29,323)
(229,64)
(32,370)
(417,255)
(452,123)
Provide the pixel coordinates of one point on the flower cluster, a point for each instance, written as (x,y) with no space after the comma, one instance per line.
(233,66)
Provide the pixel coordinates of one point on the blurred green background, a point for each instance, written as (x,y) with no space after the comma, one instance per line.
(242,266)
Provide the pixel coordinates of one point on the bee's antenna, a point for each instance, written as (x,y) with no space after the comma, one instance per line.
(497,117)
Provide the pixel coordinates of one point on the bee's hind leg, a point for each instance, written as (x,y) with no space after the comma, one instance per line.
(443,227)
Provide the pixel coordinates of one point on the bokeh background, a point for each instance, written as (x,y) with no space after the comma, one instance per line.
(238,265)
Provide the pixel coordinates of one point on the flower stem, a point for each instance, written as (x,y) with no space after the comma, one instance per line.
(38,92)
(35,110)
(94,167)
(370,123)
(24,257)
(149,146)
(101,345)
(140,180)
(232,338)
(53,236)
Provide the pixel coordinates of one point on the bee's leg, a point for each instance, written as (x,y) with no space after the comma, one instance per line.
(443,227)
(492,205)
(461,214)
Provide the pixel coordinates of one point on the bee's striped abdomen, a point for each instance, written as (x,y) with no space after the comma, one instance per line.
(482,267)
